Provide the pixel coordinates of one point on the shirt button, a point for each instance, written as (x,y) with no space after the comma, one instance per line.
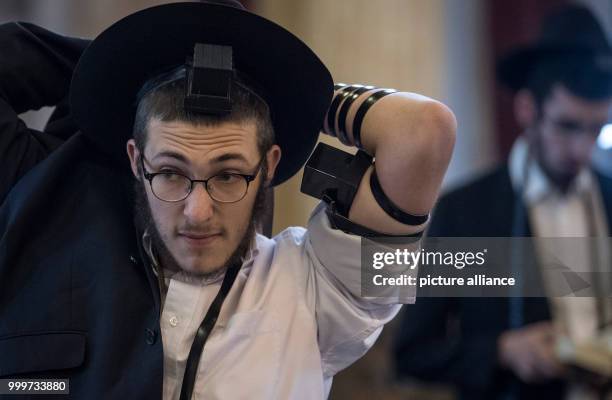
(173,321)
(133,260)
(150,336)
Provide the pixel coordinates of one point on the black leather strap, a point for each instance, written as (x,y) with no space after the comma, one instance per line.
(333,108)
(339,85)
(363,109)
(207,325)
(344,224)
(391,209)
(344,109)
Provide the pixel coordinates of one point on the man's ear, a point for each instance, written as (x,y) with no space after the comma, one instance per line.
(273,157)
(134,155)
(525,108)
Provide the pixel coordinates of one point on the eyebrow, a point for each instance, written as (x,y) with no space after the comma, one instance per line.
(217,160)
(172,154)
(228,157)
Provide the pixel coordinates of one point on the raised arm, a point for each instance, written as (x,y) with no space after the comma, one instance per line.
(35,71)
(411,138)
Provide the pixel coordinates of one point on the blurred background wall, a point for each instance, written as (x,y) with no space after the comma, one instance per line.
(441,48)
(432,47)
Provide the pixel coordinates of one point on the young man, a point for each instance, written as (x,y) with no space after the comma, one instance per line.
(140,275)
(505,347)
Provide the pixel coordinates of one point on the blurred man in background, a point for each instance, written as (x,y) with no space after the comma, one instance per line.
(494,348)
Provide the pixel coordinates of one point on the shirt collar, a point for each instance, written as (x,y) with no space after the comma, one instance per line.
(539,186)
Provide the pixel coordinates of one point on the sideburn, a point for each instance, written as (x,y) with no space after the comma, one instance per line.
(562,182)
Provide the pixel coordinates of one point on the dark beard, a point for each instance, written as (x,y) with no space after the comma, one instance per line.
(144,222)
(561,181)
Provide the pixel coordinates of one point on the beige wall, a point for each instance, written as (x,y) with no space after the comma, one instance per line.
(390,43)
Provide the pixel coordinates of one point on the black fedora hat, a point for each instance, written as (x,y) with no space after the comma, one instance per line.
(121,59)
(570,33)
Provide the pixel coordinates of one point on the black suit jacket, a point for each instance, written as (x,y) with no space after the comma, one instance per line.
(77,298)
(454,340)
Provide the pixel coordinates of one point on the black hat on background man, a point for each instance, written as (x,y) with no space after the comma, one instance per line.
(571,39)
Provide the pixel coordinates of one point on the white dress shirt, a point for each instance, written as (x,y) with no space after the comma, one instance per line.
(292,320)
(578,213)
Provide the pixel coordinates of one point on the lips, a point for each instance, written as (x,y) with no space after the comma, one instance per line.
(199,239)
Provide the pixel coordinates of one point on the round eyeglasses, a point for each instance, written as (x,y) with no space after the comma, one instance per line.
(225,187)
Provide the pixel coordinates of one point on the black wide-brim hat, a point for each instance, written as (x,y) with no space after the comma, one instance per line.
(571,34)
(121,59)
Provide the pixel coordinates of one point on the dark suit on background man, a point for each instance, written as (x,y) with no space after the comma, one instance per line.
(504,347)
(454,340)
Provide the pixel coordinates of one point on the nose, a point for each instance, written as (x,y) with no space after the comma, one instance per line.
(199,206)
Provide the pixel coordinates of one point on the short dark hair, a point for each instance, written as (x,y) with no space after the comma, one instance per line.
(578,72)
(162,97)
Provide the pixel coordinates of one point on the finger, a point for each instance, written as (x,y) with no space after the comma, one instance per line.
(527,371)
(546,364)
